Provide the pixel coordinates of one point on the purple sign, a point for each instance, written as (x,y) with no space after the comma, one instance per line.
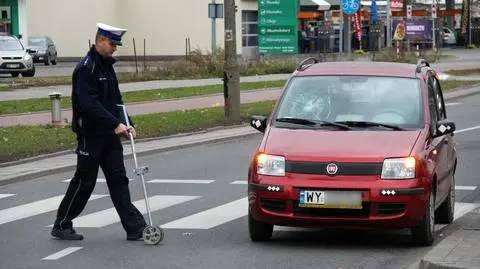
(410,29)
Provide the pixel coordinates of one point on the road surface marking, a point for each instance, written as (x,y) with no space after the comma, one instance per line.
(62,253)
(465,188)
(99,180)
(452,104)
(35,208)
(239,182)
(182,181)
(110,216)
(212,217)
(6,195)
(467,129)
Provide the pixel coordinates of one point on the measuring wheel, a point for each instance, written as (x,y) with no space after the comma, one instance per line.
(152,235)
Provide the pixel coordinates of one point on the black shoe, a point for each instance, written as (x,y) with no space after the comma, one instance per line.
(136,236)
(66,234)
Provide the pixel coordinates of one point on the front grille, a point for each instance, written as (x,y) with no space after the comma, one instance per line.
(390,209)
(7,66)
(331,212)
(11,58)
(273,205)
(346,169)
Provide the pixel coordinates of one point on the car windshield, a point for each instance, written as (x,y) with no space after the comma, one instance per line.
(10,45)
(358,101)
(37,42)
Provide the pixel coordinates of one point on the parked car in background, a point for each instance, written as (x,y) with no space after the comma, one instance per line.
(46,49)
(15,59)
(449,37)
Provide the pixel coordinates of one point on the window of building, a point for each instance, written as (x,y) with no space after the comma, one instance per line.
(249,28)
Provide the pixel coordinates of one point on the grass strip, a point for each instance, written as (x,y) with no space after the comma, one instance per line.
(18,142)
(464,72)
(44,104)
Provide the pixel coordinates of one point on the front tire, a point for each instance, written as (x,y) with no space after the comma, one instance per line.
(259,231)
(424,233)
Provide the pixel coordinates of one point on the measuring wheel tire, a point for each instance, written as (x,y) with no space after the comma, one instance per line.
(153,235)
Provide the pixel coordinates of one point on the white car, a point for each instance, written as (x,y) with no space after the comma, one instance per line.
(15,59)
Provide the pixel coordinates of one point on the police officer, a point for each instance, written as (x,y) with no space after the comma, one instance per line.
(97,125)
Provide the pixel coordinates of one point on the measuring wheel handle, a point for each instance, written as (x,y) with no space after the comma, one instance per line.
(153,235)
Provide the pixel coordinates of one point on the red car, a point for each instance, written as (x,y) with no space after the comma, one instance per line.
(355,144)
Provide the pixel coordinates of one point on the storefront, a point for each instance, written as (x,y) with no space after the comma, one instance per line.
(13,18)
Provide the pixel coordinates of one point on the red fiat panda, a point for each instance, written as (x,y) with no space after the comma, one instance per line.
(355,144)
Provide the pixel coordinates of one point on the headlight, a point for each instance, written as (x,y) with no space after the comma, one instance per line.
(27,57)
(398,168)
(270,165)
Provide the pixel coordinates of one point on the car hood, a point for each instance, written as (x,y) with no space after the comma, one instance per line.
(346,146)
(18,53)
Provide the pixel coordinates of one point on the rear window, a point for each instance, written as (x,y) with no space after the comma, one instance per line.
(387,100)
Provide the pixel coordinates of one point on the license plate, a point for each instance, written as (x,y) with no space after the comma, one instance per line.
(13,65)
(330,199)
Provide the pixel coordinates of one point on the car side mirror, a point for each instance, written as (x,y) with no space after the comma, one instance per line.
(259,123)
(31,51)
(445,127)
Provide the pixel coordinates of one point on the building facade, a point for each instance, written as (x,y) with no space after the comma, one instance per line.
(164,28)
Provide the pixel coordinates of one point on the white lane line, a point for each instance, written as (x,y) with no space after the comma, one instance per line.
(460,210)
(6,195)
(211,217)
(452,104)
(99,180)
(34,208)
(109,216)
(465,188)
(467,129)
(239,182)
(182,181)
(62,253)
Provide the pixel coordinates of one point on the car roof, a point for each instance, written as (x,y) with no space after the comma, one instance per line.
(359,69)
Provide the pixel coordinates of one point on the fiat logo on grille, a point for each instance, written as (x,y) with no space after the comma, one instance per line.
(332,168)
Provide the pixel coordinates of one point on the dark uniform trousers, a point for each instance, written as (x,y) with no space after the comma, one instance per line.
(94,152)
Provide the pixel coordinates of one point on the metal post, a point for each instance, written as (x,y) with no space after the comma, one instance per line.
(340,48)
(433,39)
(389,25)
(56,97)
(349,36)
(214,37)
(470,22)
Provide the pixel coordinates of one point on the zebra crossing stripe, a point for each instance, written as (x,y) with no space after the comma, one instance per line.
(109,216)
(239,182)
(212,217)
(62,253)
(34,208)
(182,181)
(5,195)
(99,180)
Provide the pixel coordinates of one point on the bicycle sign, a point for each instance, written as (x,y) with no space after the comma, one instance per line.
(350,6)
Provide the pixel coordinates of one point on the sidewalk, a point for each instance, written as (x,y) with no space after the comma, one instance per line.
(461,249)
(149,107)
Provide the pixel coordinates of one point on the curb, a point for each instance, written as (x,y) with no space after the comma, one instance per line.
(139,153)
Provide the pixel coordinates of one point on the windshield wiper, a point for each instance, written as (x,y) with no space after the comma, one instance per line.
(371,124)
(313,123)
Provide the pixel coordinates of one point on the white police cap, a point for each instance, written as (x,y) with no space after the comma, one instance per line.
(114,34)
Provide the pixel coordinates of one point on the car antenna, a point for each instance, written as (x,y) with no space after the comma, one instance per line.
(303,64)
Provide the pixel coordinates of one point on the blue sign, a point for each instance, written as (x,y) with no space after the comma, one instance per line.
(349,7)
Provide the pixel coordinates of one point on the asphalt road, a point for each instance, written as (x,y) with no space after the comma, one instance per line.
(204,184)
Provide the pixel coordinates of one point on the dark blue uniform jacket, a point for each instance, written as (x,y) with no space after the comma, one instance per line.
(95,95)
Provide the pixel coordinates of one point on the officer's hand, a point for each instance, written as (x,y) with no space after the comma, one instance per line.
(134,133)
(121,130)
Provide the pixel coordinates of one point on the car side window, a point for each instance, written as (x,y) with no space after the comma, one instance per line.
(432,104)
(439,99)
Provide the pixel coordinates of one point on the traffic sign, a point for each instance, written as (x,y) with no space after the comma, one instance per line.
(409,11)
(349,7)
(434,10)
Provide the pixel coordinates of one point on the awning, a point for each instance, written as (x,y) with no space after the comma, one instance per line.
(322,4)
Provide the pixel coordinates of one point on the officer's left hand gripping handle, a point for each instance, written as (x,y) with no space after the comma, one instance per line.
(87,95)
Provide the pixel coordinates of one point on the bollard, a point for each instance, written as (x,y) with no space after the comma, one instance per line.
(56,97)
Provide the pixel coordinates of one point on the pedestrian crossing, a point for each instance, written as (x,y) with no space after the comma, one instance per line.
(172,181)
(219,212)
